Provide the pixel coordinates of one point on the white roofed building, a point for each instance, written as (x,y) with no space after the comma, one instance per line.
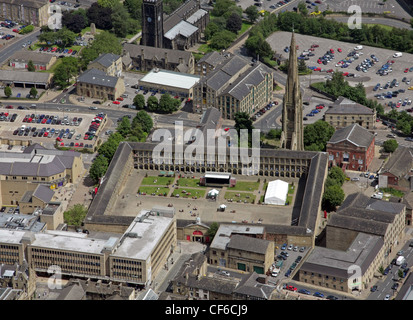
(276,192)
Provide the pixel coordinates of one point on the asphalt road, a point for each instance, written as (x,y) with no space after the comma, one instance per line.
(16,46)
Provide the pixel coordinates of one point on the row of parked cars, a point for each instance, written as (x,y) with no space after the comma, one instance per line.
(52,119)
(59,134)
(58,50)
(263,110)
(94,126)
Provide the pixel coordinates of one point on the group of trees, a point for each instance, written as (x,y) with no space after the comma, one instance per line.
(68,68)
(104,42)
(63,37)
(333,193)
(226,22)
(316,135)
(135,130)
(338,86)
(166,103)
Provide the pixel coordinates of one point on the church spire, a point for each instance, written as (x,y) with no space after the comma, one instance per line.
(292,118)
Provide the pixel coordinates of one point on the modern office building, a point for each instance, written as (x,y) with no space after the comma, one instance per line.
(135,258)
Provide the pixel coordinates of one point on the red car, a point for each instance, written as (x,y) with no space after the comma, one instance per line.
(315,46)
(406,70)
(320,106)
(339,50)
(332,51)
(345,74)
(319,61)
(291,288)
(54,49)
(120,99)
(226,129)
(59,139)
(317,69)
(70,51)
(330,70)
(46,134)
(9,107)
(116,102)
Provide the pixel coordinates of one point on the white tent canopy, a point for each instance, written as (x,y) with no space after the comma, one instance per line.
(213,192)
(276,192)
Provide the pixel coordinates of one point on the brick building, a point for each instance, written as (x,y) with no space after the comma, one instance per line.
(351,148)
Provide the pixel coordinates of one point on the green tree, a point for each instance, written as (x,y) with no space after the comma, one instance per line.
(302,9)
(120,20)
(100,16)
(221,7)
(222,39)
(98,168)
(212,230)
(109,147)
(274,134)
(124,127)
(105,42)
(33,92)
(152,103)
(404,126)
(258,46)
(252,13)
(7,91)
(134,8)
(317,134)
(143,120)
(302,66)
(390,145)
(168,104)
(234,23)
(75,215)
(30,66)
(211,29)
(139,101)
(107,3)
(337,174)
(65,71)
(27,29)
(332,198)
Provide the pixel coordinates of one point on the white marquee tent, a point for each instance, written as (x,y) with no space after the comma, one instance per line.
(276,192)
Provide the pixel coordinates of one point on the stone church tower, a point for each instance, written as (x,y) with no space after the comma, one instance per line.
(152,23)
(292,115)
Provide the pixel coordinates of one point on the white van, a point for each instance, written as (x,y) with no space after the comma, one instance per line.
(358,48)
(397,55)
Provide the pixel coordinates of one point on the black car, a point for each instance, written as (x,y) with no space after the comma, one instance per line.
(395,286)
(373,288)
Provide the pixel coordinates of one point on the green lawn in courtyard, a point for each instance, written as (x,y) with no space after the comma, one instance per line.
(157,181)
(245,186)
(188,193)
(240,197)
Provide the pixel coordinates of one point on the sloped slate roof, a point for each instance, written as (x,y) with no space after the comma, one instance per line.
(182,28)
(43,193)
(354,134)
(347,106)
(248,244)
(98,77)
(106,59)
(400,162)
